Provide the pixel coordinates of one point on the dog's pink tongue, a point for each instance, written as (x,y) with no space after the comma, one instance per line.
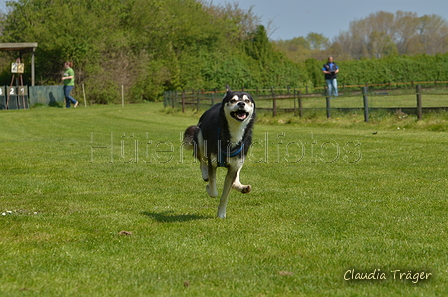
(241,116)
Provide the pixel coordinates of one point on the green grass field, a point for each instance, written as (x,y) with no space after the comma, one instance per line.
(102,201)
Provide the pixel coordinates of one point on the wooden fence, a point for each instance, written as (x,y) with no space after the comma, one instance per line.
(410,98)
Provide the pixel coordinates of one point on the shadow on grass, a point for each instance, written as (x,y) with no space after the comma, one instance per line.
(169,217)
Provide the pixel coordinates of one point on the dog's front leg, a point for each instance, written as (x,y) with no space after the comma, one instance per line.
(230,179)
(240,187)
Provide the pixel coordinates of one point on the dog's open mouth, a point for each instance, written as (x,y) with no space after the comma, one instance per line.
(239,115)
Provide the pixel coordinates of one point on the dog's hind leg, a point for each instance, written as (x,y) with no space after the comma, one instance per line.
(211,187)
(202,153)
(204,170)
(230,179)
(240,187)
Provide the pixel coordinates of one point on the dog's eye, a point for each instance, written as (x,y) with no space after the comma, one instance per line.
(247,101)
(233,100)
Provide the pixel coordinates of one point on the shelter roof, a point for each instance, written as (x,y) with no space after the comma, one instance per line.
(25,47)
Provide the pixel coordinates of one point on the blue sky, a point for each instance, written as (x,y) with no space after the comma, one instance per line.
(294,18)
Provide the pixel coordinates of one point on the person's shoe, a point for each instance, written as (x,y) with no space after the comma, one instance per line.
(76,104)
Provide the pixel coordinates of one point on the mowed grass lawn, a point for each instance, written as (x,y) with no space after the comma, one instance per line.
(102,201)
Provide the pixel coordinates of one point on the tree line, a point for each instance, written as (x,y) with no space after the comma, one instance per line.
(151,46)
(381,34)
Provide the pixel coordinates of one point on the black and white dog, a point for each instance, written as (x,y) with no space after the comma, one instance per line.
(221,139)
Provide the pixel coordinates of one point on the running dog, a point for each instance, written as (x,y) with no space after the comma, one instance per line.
(221,139)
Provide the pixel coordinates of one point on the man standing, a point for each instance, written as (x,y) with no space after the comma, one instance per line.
(330,70)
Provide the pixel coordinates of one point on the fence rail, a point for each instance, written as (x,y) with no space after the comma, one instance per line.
(415,98)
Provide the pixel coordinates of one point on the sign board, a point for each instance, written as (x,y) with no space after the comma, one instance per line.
(17,67)
(11,91)
(22,91)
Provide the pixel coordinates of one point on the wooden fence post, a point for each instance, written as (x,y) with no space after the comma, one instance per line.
(84,94)
(294,99)
(300,105)
(419,102)
(327,99)
(274,103)
(183,101)
(366,104)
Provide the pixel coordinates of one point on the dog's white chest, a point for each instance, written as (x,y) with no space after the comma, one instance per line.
(236,131)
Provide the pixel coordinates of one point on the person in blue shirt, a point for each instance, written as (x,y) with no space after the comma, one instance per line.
(330,69)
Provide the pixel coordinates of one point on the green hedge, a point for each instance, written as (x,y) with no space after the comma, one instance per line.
(393,69)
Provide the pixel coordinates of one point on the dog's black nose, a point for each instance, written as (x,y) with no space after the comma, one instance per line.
(241,104)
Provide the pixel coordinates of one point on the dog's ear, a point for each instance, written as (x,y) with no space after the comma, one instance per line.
(228,88)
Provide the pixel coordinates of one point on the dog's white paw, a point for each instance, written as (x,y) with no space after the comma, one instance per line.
(221,215)
(211,192)
(246,189)
(242,188)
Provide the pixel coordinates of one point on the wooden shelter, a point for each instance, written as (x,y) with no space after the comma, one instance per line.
(22,48)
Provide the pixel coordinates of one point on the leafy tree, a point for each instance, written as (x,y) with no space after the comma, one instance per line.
(147,46)
(317,41)
(296,49)
(384,34)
